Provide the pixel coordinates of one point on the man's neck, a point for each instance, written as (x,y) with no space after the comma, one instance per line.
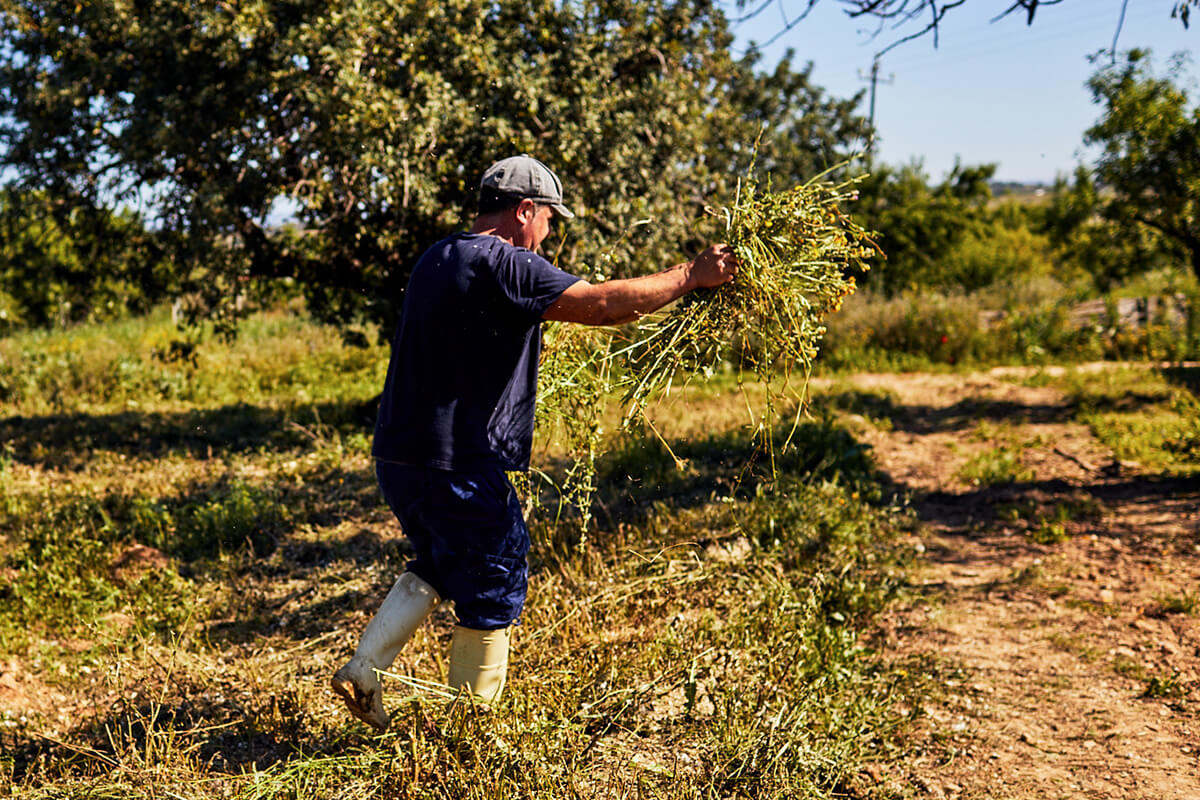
(490,226)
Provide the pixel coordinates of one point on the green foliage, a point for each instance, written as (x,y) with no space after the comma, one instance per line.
(935,327)
(1049,524)
(1083,238)
(1143,417)
(371,122)
(1149,134)
(996,466)
(1050,529)
(64,566)
(1165,686)
(60,266)
(797,249)
(574,379)
(1033,323)
(920,224)
(1003,248)
(800,131)
(1184,603)
(60,569)
(798,252)
(143,363)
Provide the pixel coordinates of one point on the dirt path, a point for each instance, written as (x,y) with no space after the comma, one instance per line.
(1058,595)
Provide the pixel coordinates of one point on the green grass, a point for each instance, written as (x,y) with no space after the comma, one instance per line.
(706,638)
(1016,322)
(278,358)
(1148,417)
(1183,603)
(1165,686)
(998,465)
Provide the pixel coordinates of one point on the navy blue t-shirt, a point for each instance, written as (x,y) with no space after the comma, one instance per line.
(462,380)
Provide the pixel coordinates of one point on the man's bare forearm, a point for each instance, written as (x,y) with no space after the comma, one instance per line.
(620,301)
(628,299)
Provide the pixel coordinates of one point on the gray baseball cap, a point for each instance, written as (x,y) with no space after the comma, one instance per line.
(525,176)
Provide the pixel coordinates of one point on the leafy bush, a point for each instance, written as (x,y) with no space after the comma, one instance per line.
(933,327)
(994,253)
(1003,324)
(59,267)
(919,224)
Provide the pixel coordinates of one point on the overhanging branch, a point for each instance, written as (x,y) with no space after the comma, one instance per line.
(892,15)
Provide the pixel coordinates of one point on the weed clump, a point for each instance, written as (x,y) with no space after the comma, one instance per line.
(798,251)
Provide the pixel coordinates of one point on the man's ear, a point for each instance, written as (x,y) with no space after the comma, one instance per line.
(526,211)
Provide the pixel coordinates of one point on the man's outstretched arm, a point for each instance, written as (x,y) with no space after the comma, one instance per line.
(615,302)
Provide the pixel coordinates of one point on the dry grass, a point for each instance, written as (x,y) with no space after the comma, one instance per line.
(180,581)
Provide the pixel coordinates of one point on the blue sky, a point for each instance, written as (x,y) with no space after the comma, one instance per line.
(999,92)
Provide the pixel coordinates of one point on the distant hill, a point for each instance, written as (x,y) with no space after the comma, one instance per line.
(1017,190)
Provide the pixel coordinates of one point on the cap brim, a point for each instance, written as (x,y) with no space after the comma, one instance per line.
(561,210)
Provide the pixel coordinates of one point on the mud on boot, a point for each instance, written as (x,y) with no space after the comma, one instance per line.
(403,610)
(359,687)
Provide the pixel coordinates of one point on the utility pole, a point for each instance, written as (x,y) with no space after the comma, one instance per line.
(874,79)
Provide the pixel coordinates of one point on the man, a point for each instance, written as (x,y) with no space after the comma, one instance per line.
(457,413)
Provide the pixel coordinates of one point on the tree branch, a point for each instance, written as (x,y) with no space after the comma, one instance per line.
(1121,24)
(1180,235)
(895,14)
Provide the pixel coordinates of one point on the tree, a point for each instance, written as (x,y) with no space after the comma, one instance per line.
(803,132)
(1148,171)
(1082,238)
(83,265)
(921,225)
(373,120)
(924,17)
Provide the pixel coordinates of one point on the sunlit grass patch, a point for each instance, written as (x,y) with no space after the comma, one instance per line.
(159,540)
(996,466)
(746,659)
(140,364)
(1143,417)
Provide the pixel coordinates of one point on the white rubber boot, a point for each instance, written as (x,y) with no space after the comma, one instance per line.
(479,661)
(403,610)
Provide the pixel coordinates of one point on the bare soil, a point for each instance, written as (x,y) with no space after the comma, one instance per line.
(1076,673)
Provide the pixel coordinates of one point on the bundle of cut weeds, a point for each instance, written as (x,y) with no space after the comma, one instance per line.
(798,251)
(573,386)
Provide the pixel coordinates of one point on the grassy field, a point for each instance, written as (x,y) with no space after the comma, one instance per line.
(1032,320)
(191,540)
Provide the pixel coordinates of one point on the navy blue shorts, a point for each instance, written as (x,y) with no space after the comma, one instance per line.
(469,535)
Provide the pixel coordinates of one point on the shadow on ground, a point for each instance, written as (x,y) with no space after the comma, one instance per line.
(69,441)
(231,734)
(1188,377)
(643,473)
(966,413)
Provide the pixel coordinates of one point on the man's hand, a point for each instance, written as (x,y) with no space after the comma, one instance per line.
(619,301)
(715,266)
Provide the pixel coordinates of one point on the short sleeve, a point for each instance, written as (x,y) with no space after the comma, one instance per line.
(529,281)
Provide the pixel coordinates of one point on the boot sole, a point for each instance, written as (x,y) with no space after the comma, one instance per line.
(351,696)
